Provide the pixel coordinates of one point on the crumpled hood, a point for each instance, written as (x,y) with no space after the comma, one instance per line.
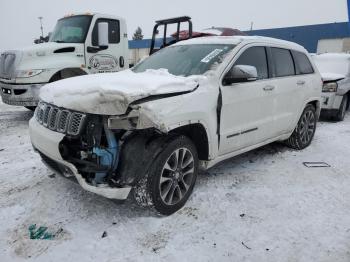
(331,77)
(111,93)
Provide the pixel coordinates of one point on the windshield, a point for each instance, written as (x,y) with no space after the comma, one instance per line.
(71,29)
(186,60)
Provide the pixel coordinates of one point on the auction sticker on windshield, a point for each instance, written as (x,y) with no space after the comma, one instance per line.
(211,55)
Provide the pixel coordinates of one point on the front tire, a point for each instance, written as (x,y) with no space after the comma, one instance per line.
(171,178)
(305,130)
(342,110)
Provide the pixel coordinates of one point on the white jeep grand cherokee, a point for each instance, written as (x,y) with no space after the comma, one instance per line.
(195,103)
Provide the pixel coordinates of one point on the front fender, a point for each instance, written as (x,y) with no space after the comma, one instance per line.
(171,113)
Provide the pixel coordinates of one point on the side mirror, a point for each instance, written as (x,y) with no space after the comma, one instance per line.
(241,73)
(103,34)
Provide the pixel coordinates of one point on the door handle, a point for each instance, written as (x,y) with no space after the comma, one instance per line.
(301,83)
(269,88)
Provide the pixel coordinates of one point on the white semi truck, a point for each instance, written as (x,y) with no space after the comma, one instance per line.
(80,44)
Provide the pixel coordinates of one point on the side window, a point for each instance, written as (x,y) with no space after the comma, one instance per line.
(284,64)
(113,31)
(302,63)
(255,56)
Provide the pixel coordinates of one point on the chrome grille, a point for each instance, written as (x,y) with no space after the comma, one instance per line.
(63,121)
(7,65)
(46,114)
(75,123)
(53,118)
(59,120)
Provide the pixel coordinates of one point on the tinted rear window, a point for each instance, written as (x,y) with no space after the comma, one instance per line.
(284,64)
(302,63)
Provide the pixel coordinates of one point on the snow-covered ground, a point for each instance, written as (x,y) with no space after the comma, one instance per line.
(262,206)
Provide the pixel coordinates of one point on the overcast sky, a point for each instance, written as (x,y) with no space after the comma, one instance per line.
(19,23)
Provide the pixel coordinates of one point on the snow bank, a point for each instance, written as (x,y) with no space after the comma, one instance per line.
(111,93)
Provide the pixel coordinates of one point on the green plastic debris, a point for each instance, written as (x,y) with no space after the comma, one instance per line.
(40,232)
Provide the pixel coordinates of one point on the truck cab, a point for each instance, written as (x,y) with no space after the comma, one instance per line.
(79,44)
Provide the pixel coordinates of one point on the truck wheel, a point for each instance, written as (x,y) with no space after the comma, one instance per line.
(342,110)
(171,177)
(305,130)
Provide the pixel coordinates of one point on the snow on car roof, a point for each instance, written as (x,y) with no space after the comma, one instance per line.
(239,39)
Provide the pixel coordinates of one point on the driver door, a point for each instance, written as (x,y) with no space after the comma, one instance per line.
(108,60)
(247,107)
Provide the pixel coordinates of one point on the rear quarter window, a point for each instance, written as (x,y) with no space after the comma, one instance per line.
(302,63)
(284,64)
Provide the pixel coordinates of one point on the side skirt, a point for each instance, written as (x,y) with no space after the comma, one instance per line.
(211,163)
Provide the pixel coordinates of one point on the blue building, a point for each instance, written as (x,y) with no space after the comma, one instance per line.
(307,36)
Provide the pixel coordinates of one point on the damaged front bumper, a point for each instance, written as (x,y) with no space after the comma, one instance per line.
(20,94)
(47,143)
(331,101)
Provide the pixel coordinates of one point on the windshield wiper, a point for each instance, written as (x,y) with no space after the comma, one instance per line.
(59,41)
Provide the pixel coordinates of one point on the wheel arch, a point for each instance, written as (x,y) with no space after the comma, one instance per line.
(317,104)
(66,73)
(197,132)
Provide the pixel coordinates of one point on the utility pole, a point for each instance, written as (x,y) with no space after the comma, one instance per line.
(251,26)
(41,26)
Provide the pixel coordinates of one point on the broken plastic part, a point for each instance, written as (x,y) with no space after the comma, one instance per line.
(128,122)
(136,119)
(40,233)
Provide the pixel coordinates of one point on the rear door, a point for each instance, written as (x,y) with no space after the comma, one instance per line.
(288,89)
(107,60)
(247,108)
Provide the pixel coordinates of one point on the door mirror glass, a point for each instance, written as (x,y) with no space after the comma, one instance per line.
(103,34)
(241,73)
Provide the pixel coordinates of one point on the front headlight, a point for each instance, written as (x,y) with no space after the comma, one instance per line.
(330,87)
(28,73)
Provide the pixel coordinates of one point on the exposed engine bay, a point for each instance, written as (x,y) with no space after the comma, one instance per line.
(94,152)
(103,156)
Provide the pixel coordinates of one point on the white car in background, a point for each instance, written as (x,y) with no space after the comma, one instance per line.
(335,72)
(195,103)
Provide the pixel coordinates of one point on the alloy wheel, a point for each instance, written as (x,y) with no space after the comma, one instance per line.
(307,127)
(176,177)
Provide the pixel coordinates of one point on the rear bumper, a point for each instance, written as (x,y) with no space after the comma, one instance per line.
(20,95)
(46,142)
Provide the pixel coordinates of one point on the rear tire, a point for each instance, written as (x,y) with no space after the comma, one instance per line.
(171,178)
(342,110)
(305,129)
